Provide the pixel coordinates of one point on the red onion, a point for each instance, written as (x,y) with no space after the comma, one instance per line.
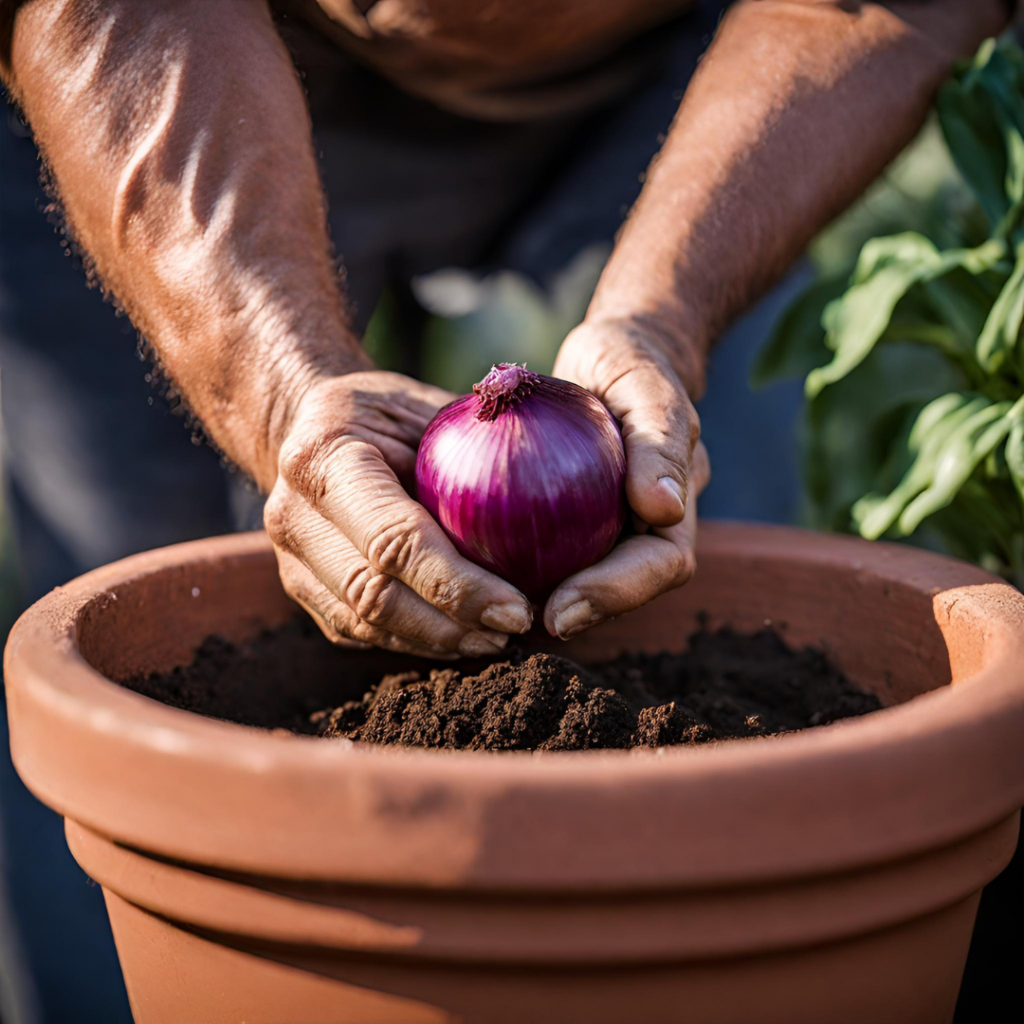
(526,476)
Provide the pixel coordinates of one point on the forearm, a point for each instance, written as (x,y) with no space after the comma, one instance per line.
(797,106)
(179,139)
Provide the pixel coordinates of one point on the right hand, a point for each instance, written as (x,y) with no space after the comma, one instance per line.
(369,564)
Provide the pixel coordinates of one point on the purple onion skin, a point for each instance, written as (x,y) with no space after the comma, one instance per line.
(526,476)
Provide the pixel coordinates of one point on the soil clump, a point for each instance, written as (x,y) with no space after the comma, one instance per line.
(724,685)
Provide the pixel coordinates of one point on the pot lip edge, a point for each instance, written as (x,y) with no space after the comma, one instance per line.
(728,763)
(43,639)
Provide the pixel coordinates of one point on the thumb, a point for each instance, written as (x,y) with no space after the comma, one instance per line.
(660,429)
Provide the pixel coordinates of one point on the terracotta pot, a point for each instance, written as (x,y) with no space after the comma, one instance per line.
(830,875)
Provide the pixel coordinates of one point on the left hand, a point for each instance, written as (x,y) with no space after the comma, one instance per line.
(666,468)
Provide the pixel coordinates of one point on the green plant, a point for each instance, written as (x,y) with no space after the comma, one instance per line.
(915,365)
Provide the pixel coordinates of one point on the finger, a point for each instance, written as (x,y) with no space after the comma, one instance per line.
(338,622)
(350,484)
(659,430)
(636,571)
(373,597)
(394,423)
(302,587)
(386,409)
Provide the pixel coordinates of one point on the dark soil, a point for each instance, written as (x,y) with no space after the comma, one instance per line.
(725,685)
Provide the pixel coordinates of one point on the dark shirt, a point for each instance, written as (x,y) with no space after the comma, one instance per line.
(495,59)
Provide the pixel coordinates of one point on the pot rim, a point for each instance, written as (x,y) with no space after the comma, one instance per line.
(240,798)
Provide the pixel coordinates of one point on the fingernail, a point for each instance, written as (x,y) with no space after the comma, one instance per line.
(510,617)
(477,645)
(576,618)
(673,488)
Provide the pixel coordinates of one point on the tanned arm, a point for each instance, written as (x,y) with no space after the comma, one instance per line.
(795,109)
(180,141)
(179,138)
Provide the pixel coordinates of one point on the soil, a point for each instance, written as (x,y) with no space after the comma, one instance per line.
(725,685)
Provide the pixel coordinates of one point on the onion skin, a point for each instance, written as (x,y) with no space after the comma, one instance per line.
(526,476)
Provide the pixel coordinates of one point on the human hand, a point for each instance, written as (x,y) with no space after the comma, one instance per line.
(666,468)
(365,560)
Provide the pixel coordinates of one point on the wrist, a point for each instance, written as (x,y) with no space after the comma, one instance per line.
(295,379)
(642,294)
(648,338)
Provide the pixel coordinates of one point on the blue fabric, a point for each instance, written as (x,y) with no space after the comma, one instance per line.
(752,436)
(92,473)
(96,466)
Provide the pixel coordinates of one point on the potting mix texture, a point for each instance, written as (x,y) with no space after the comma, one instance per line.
(724,685)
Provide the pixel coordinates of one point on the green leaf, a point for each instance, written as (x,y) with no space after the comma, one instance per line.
(885,272)
(949,471)
(852,429)
(1015,455)
(924,332)
(796,344)
(960,454)
(975,142)
(981,114)
(998,337)
(1000,79)
(960,303)
(1014,163)
(887,269)
(934,425)
(951,409)
(981,525)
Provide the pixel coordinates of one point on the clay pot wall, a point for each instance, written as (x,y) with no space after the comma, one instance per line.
(830,875)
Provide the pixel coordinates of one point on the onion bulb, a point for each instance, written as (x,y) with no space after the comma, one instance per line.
(526,476)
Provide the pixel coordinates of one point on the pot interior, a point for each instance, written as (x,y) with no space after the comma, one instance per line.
(875,622)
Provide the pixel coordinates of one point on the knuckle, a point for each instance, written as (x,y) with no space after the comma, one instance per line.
(339,627)
(446,592)
(609,365)
(685,569)
(338,619)
(371,595)
(331,630)
(339,637)
(276,519)
(365,633)
(397,547)
(678,443)
(685,428)
(693,431)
